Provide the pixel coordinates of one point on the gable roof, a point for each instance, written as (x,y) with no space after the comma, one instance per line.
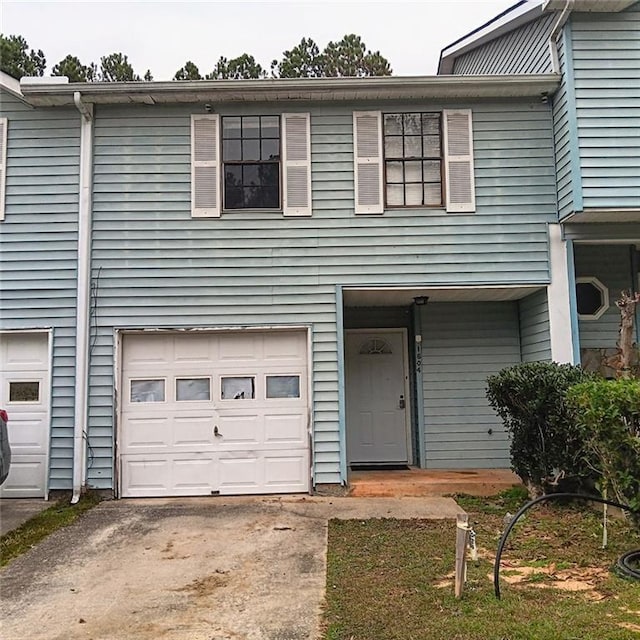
(516,16)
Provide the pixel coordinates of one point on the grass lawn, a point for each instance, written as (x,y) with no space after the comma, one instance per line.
(392,579)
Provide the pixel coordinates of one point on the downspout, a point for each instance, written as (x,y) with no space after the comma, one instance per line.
(83,294)
(553,37)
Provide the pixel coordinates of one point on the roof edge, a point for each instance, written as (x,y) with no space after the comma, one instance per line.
(300,89)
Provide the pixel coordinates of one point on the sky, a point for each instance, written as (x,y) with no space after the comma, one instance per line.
(162,36)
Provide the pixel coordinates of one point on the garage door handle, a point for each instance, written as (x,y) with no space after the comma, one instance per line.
(216,433)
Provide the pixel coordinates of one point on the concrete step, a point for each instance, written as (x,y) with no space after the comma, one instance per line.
(422,482)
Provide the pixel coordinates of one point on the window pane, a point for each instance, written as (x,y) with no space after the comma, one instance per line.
(231,127)
(393,147)
(237,388)
(24,391)
(413,194)
(431,123)
(432,195)
(431,171)
(412,147)
(412,125)
(147,390)
(431,146)
(393,123)
(271,197)
(413,171)
(191,389)
(251,175)
(233,198)
(588,298)
(394,172)
(270,126)
(283,386)
(233,174)
(269,174)
(250,150)
(270,150)
(395,195)
(231,150)
(251,127)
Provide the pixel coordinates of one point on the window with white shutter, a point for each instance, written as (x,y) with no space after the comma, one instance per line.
(4,124)
(297,164)
(205,178)
(367,153)
(458,147)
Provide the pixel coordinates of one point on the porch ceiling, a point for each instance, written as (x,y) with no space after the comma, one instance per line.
(399,297)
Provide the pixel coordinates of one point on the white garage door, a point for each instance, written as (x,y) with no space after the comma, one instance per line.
(24,393)
(214,413)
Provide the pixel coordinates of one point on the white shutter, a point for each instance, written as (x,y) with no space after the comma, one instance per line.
(367,154)
(205,173)
(296,152)
(458,150)
(4,125)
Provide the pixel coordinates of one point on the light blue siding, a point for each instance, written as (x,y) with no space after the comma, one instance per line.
(523,50)
(611,264)
(462,344)
(38,240)
(606,60)
(155,266)
(533,313)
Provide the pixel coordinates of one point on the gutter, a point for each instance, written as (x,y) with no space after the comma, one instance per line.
(296,89)
(80,427)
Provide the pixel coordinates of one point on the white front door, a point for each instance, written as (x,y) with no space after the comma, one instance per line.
(207,413)
(24,393)
(376,391)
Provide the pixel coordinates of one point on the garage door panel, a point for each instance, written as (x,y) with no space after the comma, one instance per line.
(143,433)
(26,476)
(149,350)
(239,348)
(193,431)
(25,433)
(193,349)
(281,347)
(24,352)
(286,470)
(171,475)
(239,429)
(286,428)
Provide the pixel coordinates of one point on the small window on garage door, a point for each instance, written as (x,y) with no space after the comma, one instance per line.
(147,390)
(193,389)
(283,386)
(24,391)
(237,388)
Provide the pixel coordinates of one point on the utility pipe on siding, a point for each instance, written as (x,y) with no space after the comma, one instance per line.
(82,299)
(553,46)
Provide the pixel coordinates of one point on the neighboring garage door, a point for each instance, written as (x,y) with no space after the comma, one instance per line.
(24,393)
(205,413)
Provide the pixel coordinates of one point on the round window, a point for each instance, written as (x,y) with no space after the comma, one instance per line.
(592,298)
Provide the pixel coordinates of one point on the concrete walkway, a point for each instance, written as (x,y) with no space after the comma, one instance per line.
(16,511)
(196,569)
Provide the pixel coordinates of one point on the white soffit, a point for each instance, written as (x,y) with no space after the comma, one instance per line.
(402,297)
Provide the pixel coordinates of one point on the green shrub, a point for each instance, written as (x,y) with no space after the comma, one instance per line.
(545,441)
(608,412)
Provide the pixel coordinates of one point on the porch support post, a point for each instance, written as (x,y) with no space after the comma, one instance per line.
(561,298)
(419,404)
(342,432)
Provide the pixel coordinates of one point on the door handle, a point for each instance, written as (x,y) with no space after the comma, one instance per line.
(216,432)
(401,403)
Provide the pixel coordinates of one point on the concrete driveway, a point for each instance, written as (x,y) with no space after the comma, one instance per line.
(188,569)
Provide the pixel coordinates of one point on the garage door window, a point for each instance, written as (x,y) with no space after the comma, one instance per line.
(24,391)
(193,389)
(283,386)
(147,390)
(238,388)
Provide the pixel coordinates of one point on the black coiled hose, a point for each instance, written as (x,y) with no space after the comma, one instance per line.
(627,564)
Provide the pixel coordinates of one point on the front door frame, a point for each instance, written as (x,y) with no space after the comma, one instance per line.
(407,386)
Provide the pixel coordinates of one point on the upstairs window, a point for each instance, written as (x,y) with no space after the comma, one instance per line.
(251,162)
(412,159)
